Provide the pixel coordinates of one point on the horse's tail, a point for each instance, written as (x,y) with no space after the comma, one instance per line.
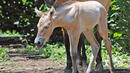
(108,5)
(103,17)
(102,26)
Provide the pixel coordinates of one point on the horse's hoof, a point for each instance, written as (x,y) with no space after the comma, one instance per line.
(68,71)
(88,71)
(75,72)
(111,70)
(85,68)
(81,70)
(99,68)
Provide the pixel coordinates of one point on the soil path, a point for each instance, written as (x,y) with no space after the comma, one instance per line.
(22,63)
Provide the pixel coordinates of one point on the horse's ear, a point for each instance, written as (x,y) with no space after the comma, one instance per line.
(52,12)
(39,13)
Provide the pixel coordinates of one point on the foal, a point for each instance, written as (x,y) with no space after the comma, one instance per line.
(106,4)
(77,18)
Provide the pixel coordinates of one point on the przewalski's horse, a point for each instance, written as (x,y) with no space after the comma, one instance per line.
(76,18)
(99,66)
(105,3)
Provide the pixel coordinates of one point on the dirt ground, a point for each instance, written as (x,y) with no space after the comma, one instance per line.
(24,64)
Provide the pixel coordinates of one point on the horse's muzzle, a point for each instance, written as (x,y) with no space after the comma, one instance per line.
(39,41)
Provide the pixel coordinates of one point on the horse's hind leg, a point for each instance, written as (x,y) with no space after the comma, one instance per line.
(99,66)
(95,48)
(103,31)
(104,34)
(83,51)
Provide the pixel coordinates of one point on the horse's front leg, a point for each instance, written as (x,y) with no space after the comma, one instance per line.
(74,38)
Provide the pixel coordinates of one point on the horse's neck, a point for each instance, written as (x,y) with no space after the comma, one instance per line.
(61,12)
(59,2)
(66,13)
(60,17)
(65,19)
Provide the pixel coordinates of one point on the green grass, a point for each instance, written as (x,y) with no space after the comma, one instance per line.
(3,54)
(9,33)
(8,64)
(121,58)
(57,52)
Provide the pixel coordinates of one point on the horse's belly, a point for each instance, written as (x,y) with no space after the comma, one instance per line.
(89,22)
(87,26)
(89,17)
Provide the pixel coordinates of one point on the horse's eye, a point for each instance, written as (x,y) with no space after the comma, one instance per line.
(46,27)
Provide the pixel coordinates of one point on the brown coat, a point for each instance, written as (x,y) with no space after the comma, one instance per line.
(106,3)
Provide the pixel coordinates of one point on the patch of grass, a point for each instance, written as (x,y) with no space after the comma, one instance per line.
(56,51)
(9,33)
(32,50)
(121,58)
(6,71)
(59,54)
(8,64)
(3,54)
(53,51)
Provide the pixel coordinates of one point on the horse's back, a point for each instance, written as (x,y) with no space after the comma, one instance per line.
(89,5)
(89,13)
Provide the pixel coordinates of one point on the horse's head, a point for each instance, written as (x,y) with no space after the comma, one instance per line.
(54,2)
(50,2)
(45,27)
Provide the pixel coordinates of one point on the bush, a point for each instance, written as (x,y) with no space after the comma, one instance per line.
(19,15)
(119,23)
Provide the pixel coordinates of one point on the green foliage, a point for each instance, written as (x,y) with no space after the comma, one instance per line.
(9,33)
(3,53)
(119,17)
(19,15)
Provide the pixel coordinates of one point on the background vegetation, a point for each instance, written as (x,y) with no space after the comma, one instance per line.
(17,17)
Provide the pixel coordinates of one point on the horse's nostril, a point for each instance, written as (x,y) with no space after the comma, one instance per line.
(38,43)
